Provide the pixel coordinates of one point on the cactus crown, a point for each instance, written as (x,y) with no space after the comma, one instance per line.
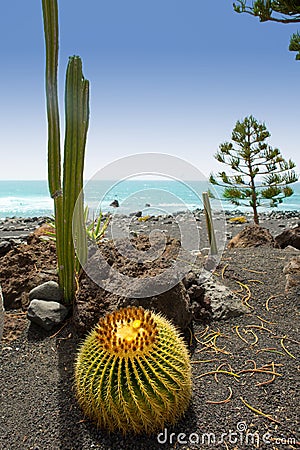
(133,372)
(129,331)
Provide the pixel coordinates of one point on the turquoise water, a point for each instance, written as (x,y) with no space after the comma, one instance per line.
(31,198)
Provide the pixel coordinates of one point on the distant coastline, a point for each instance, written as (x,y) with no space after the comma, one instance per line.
(31,198)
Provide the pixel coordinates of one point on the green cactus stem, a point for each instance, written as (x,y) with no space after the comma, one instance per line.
(77,119)
(69,190)
(50,17)
(133,372)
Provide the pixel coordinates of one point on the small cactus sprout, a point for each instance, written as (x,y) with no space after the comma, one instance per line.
(133,372)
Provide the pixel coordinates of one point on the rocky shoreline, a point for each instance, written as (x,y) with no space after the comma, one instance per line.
(16,230)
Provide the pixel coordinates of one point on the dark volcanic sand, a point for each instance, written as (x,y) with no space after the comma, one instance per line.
(38,409)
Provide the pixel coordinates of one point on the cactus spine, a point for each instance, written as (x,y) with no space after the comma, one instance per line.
(133,372)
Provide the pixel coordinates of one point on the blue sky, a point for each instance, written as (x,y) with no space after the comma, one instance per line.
(169,76)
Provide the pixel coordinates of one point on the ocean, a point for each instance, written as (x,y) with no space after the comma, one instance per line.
(153,197)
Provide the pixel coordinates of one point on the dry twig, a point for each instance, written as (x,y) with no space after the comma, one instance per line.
(257,411)
(255,281)
(266,321)
(248,295)
(255,336)
(57,332)
(212,372)
(269,349)
(270,298)
(260,327)
(285,349)
(221,401)
(219,368)
(239,334)
(223,271)
(254,271)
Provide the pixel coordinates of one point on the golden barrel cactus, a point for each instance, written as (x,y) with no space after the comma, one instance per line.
(133,372)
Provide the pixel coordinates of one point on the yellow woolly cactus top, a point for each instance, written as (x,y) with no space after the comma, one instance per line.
(127,331)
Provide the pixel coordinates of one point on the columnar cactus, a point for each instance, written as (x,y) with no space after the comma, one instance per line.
(133,372)
(66,192)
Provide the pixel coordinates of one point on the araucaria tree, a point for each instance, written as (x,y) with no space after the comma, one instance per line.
(281,11)
(259,174)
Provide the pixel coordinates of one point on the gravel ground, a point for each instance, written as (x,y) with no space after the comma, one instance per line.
(16,230)
(38,409)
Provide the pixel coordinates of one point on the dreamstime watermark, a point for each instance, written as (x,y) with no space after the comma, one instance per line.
(241,435)
(139,166)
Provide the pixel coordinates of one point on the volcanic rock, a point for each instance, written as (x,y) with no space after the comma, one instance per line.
(5,247)
(115,204)
(223,302)
(292,274)
(46,314)
(49,291)
(252,236)
(289,237)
